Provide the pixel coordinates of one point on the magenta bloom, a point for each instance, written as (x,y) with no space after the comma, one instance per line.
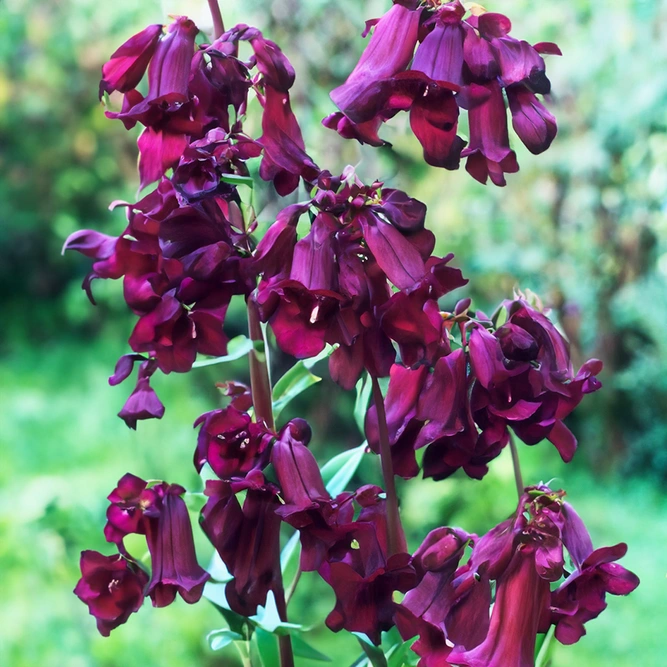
(525,378)
(160,513)
(112,587)
(128,63)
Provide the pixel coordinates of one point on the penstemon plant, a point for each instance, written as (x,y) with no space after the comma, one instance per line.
(347,274)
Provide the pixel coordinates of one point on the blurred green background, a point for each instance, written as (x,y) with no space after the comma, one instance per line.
(584,225)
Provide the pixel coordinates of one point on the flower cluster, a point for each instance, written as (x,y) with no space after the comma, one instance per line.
(186,250)
(360,277)
(449,609)
(511,371)
(459,63)
(114,586)
(335,285)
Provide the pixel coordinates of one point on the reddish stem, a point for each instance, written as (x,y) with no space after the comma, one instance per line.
(218,24)
(259,372)
(393,518)
(260,385)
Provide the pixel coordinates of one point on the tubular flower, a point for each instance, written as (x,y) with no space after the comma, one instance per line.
(459,63)
(334,285)
(112,587)
(160,513)
(460,403)
(246,538)
(180,267)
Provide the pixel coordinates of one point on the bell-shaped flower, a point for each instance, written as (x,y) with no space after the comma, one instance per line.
(247,539)
(171,545)
(112,587)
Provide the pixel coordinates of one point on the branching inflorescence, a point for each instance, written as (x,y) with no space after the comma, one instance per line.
(360,286)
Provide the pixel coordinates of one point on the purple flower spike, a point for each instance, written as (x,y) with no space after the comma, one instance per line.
(112,587)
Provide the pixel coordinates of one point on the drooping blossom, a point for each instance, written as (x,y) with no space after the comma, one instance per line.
(459,63)
(334,285)
(160,513)
(461,405)
(247,538)
(450,608)
(112,587)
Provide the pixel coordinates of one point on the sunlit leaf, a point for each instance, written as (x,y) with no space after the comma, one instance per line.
(364,389)
(338,472)
(236,348)
(220,638)
(375,654)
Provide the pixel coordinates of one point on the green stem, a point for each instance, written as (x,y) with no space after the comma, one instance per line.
(293,585)
(517,466)
(393,518)
(218,24)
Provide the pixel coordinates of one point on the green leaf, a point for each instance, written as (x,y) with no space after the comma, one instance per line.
(218,570)
(215,593)
(302,649)
(364,389)
(338,472)
(289,552)
(220,638)
(236,348)
(397,653)
(237,179)
(268,618)
(267,647)
(296,380)
(546,649)
(374,653)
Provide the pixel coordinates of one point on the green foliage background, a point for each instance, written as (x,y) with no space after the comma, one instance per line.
(584,226)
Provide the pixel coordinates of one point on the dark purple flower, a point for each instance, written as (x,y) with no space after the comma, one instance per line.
(247,539)
(525,378)
(285,159)
(231,443)
(459,63)
(170,542)
(125,514)
(333,285)
(112,587)
(143,402)
(362,576)
(164,111)
(389,52)
(489,153)
(581,597)
(521,596)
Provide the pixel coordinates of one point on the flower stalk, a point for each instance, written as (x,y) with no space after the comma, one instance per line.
(516,464)
(260,385)
(218,23)
(393,518)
